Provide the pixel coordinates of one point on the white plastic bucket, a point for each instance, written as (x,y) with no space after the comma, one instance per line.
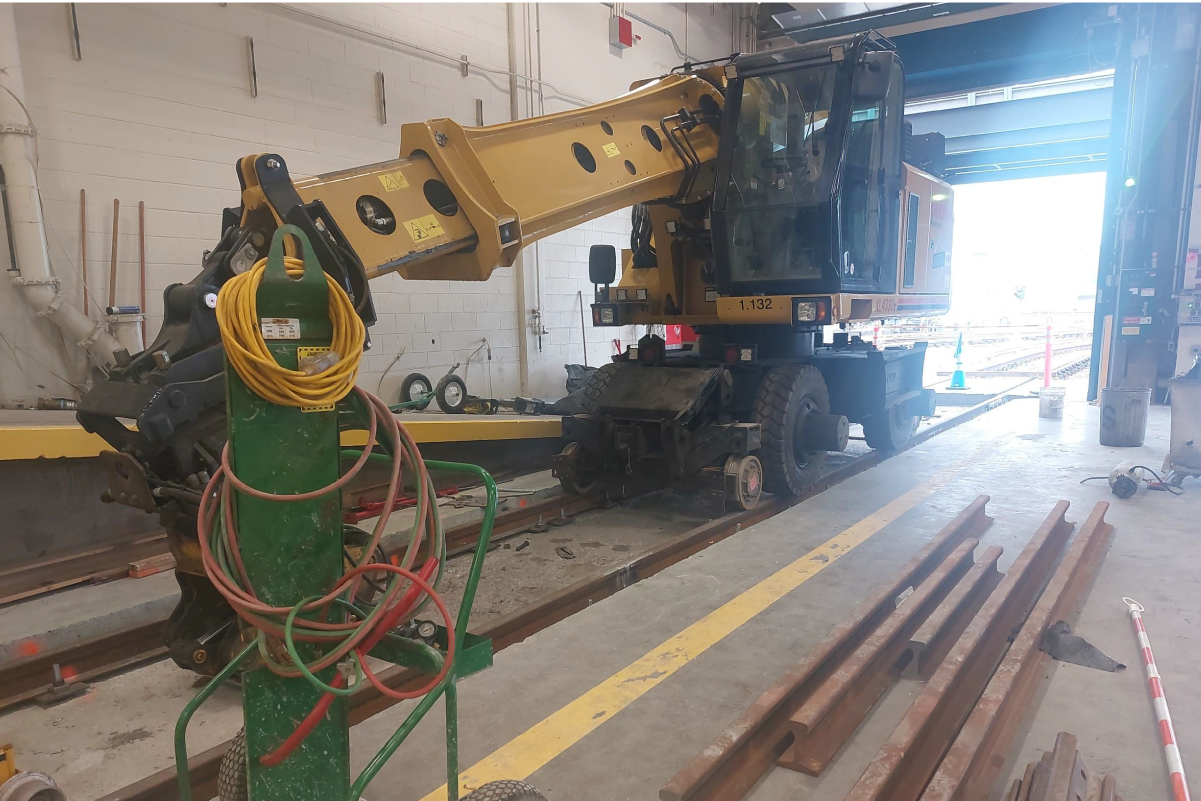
(1050,402)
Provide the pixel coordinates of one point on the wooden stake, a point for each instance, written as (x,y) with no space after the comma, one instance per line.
(112,265)
(142,264)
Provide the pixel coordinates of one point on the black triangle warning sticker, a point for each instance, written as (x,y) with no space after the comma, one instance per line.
(424,228)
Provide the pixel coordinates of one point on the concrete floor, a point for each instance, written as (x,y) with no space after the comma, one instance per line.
(1024,463)
(641,735)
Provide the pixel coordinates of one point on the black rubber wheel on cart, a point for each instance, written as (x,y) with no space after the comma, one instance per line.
(505,790)
(786,396)
(451,394)
(414,387)
(231,778)
(890,432)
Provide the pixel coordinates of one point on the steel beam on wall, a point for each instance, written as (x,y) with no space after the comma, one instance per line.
(1057,134)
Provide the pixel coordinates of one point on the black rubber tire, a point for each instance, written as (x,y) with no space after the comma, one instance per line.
(889,433)
(231,778)
(594,387)
(446,383)
(406,389)
(506,790)
(784,392)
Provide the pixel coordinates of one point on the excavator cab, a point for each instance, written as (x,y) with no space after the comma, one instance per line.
(809,171)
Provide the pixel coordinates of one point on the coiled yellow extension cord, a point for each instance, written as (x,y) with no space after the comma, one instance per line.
(238,318)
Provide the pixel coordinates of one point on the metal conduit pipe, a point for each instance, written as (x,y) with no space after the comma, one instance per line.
(33,274)
(523,328)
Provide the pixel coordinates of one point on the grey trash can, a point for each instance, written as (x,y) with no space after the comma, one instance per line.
(1124,416)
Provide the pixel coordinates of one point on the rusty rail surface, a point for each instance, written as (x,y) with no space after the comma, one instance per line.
(827,718)
(23,680)
(910,756)
(103,563)
(930,644)
(1061,775)
(971,765)
(730,766)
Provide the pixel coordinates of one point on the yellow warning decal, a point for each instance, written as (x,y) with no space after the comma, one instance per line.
(423,228)
(393,181)
(611,149)
(304,353)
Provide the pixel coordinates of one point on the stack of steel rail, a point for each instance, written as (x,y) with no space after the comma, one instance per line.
(942,618)
(1061,775)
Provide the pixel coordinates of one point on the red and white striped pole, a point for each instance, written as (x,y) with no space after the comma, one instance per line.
(1167,734)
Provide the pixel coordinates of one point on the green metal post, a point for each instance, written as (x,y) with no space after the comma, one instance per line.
(291,549)
(452,738)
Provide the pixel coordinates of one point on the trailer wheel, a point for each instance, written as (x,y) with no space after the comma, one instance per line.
(451,394)
(415,387)
(889,432)
(231,778)
(786,397)
(506,790)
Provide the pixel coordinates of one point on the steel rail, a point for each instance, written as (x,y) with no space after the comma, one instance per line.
(971,768)
(95,564)
(730,766)
(904,764)
(516,626)
(827,719)
(23,680)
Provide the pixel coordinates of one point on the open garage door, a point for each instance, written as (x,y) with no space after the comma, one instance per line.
(1018,90)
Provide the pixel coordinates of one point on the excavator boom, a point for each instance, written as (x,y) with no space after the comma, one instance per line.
(462,202)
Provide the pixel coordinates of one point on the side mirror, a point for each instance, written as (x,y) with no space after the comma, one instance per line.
(873,76)
(602,264)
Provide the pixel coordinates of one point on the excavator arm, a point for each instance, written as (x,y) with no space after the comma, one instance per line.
(458,204)
(462,202)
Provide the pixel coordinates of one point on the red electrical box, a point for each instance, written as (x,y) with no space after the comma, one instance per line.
(621,33)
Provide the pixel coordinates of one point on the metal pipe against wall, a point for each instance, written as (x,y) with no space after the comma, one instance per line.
(34,275)
(142,263)
(523,328)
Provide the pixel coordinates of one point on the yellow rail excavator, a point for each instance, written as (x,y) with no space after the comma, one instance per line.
(773,202)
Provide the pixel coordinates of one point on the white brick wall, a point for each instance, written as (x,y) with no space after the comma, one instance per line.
(159,109)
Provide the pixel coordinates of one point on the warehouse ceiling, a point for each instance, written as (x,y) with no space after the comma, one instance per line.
(1019,90)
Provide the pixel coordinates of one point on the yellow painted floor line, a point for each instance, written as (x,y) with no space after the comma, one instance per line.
(538,745)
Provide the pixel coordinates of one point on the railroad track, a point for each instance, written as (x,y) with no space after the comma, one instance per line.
(93,659)
(516,626)
(1010,364)
(97,564)
(1060,369)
